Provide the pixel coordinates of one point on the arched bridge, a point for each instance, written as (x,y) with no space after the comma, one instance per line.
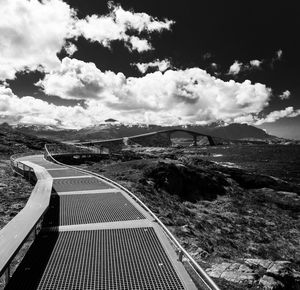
(153,139)
(165,136)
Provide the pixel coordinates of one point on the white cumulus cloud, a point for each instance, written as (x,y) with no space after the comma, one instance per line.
(255,63)
(279,54)
(116,25)
(285,95)
(161,65)
(70,48)
(190,95)
(235,68)
(276,58)
(80,80)
(214,65)
(238,67)
(170,98)
(139,44)
(138,21)
(31,34)
(29,110)
(288,112)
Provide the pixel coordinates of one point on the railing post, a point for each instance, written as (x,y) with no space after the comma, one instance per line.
(180,256)
(27,172)
(23,169)
(7,274)
(34,232)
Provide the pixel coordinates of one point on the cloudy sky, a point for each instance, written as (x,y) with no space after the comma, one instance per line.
(74,64)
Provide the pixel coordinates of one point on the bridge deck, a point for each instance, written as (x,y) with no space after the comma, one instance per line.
(95,236)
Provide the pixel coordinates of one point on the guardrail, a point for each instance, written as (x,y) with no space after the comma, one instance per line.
(182,253)
(67,148)
(70,153)
(16,232)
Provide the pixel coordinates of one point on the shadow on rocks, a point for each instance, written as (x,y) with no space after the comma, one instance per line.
(188,183)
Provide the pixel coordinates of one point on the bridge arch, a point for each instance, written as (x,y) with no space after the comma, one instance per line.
(153,139)
(163,138)
(195,135)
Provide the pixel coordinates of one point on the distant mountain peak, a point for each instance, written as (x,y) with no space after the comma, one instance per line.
(110,120)
(34,127)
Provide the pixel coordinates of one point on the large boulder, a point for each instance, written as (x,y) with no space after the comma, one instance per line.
(270,283)
(233,272)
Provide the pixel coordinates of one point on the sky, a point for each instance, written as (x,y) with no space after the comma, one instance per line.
(74,64)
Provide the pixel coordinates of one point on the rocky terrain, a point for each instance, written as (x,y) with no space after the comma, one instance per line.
(242,227)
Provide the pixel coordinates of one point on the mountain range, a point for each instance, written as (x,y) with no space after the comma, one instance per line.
(114,129)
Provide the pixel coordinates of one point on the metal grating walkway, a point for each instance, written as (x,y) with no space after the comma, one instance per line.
(95,236)
(110,259)
(78,184)
(90,208)
(65,173)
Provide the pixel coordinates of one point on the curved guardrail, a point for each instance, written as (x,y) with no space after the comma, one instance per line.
(182,253)
(72,149)
(16,232)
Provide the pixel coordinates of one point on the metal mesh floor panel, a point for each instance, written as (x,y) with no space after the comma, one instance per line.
(42,162)
(90,208)
(65,173)
(104,259)
(78,184)
(45,164)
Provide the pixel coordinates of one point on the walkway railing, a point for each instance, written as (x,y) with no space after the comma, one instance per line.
(65,148)
(16,232)
(183,255)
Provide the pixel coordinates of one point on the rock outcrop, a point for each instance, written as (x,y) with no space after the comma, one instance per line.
(270,275)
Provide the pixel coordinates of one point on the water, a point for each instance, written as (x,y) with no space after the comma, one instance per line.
(282,161)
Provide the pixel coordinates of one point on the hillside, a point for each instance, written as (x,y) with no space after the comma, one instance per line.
(50,132)
(13,141)
(240,131)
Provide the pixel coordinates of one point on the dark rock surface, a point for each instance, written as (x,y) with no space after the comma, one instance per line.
(187,182)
